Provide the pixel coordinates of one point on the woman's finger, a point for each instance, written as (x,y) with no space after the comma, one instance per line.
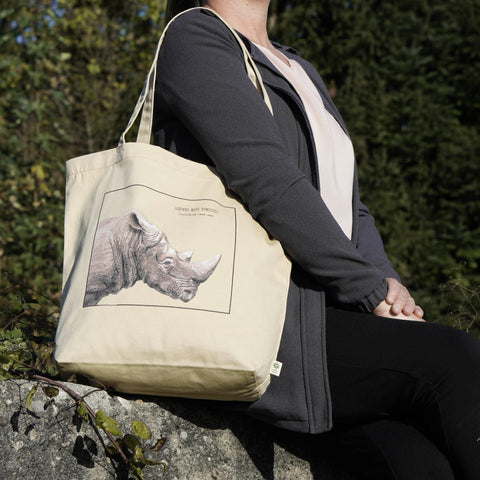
(418,311)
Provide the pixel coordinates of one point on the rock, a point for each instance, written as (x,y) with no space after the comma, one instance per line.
(52,442)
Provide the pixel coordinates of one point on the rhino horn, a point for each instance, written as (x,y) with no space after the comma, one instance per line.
(186,256)
(202,270)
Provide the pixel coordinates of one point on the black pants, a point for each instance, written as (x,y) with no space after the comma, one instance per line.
(405,398)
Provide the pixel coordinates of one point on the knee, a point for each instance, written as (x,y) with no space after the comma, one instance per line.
(458,351)
(464,347)
(425,467)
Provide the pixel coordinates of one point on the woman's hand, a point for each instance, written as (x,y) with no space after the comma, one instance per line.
(399,303)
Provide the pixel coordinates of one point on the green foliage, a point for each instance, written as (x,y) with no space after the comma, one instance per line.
(28,321)
(29,399)
(82,411)
(133,448)
(466,301)
(141,430)
(50,392)
(14,353)
(31,170)
(103,421)
(128,448)
(70,73)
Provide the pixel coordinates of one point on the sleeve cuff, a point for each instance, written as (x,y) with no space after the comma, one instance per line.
(373,300)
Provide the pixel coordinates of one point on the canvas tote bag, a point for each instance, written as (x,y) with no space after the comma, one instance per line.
(169,285)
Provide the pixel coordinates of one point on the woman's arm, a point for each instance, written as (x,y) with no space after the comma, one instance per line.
(202,81)
(370,244)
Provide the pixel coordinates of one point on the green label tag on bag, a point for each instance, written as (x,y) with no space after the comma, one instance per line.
(276,368)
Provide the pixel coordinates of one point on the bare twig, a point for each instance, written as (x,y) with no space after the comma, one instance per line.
(80,399)
(14,281)
(13,320)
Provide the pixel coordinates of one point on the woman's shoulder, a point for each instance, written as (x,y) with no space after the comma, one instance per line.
(198,24)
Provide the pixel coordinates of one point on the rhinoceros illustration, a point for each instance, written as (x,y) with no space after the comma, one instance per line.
(128,248)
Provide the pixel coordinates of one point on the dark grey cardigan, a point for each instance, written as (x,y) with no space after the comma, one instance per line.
(207,110)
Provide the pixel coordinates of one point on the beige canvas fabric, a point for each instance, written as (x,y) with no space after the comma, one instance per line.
(169,286)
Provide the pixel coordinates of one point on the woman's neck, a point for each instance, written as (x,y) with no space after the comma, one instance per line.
(249,17)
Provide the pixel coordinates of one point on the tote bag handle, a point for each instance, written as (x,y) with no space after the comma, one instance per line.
(146,98)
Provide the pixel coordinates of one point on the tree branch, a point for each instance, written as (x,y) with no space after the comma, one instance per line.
(80,399)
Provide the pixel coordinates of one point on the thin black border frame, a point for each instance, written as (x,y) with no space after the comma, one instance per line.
(179,198)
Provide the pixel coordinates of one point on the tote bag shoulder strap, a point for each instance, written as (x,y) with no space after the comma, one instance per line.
(147,96)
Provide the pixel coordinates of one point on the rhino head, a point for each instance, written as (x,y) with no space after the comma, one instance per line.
(161,267)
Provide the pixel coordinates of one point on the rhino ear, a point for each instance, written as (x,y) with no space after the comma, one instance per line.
(151,234)
(186,256)
(139,222)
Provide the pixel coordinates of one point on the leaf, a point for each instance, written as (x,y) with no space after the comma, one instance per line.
(159,445)
(131,442)
(4,13)
(138,457)
(93,68)
(112,450)
(109,424)
(64,56)
(83,411)
(50,392)
(136,470)
(30,396)
(150,462)
(14,334)
(141,430)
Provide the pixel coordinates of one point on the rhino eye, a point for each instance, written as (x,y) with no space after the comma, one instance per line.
(167,262)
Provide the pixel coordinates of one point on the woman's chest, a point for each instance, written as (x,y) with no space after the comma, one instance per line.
(294,128)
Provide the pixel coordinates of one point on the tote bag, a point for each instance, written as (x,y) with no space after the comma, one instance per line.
(170,287)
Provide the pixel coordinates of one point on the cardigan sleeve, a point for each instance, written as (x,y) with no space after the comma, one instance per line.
(201,81)
(370,244)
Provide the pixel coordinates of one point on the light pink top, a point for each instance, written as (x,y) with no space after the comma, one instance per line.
(334,148)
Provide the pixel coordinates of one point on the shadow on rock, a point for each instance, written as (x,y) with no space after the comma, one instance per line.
(257,438)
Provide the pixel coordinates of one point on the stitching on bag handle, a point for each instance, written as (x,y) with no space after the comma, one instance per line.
(146,98)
